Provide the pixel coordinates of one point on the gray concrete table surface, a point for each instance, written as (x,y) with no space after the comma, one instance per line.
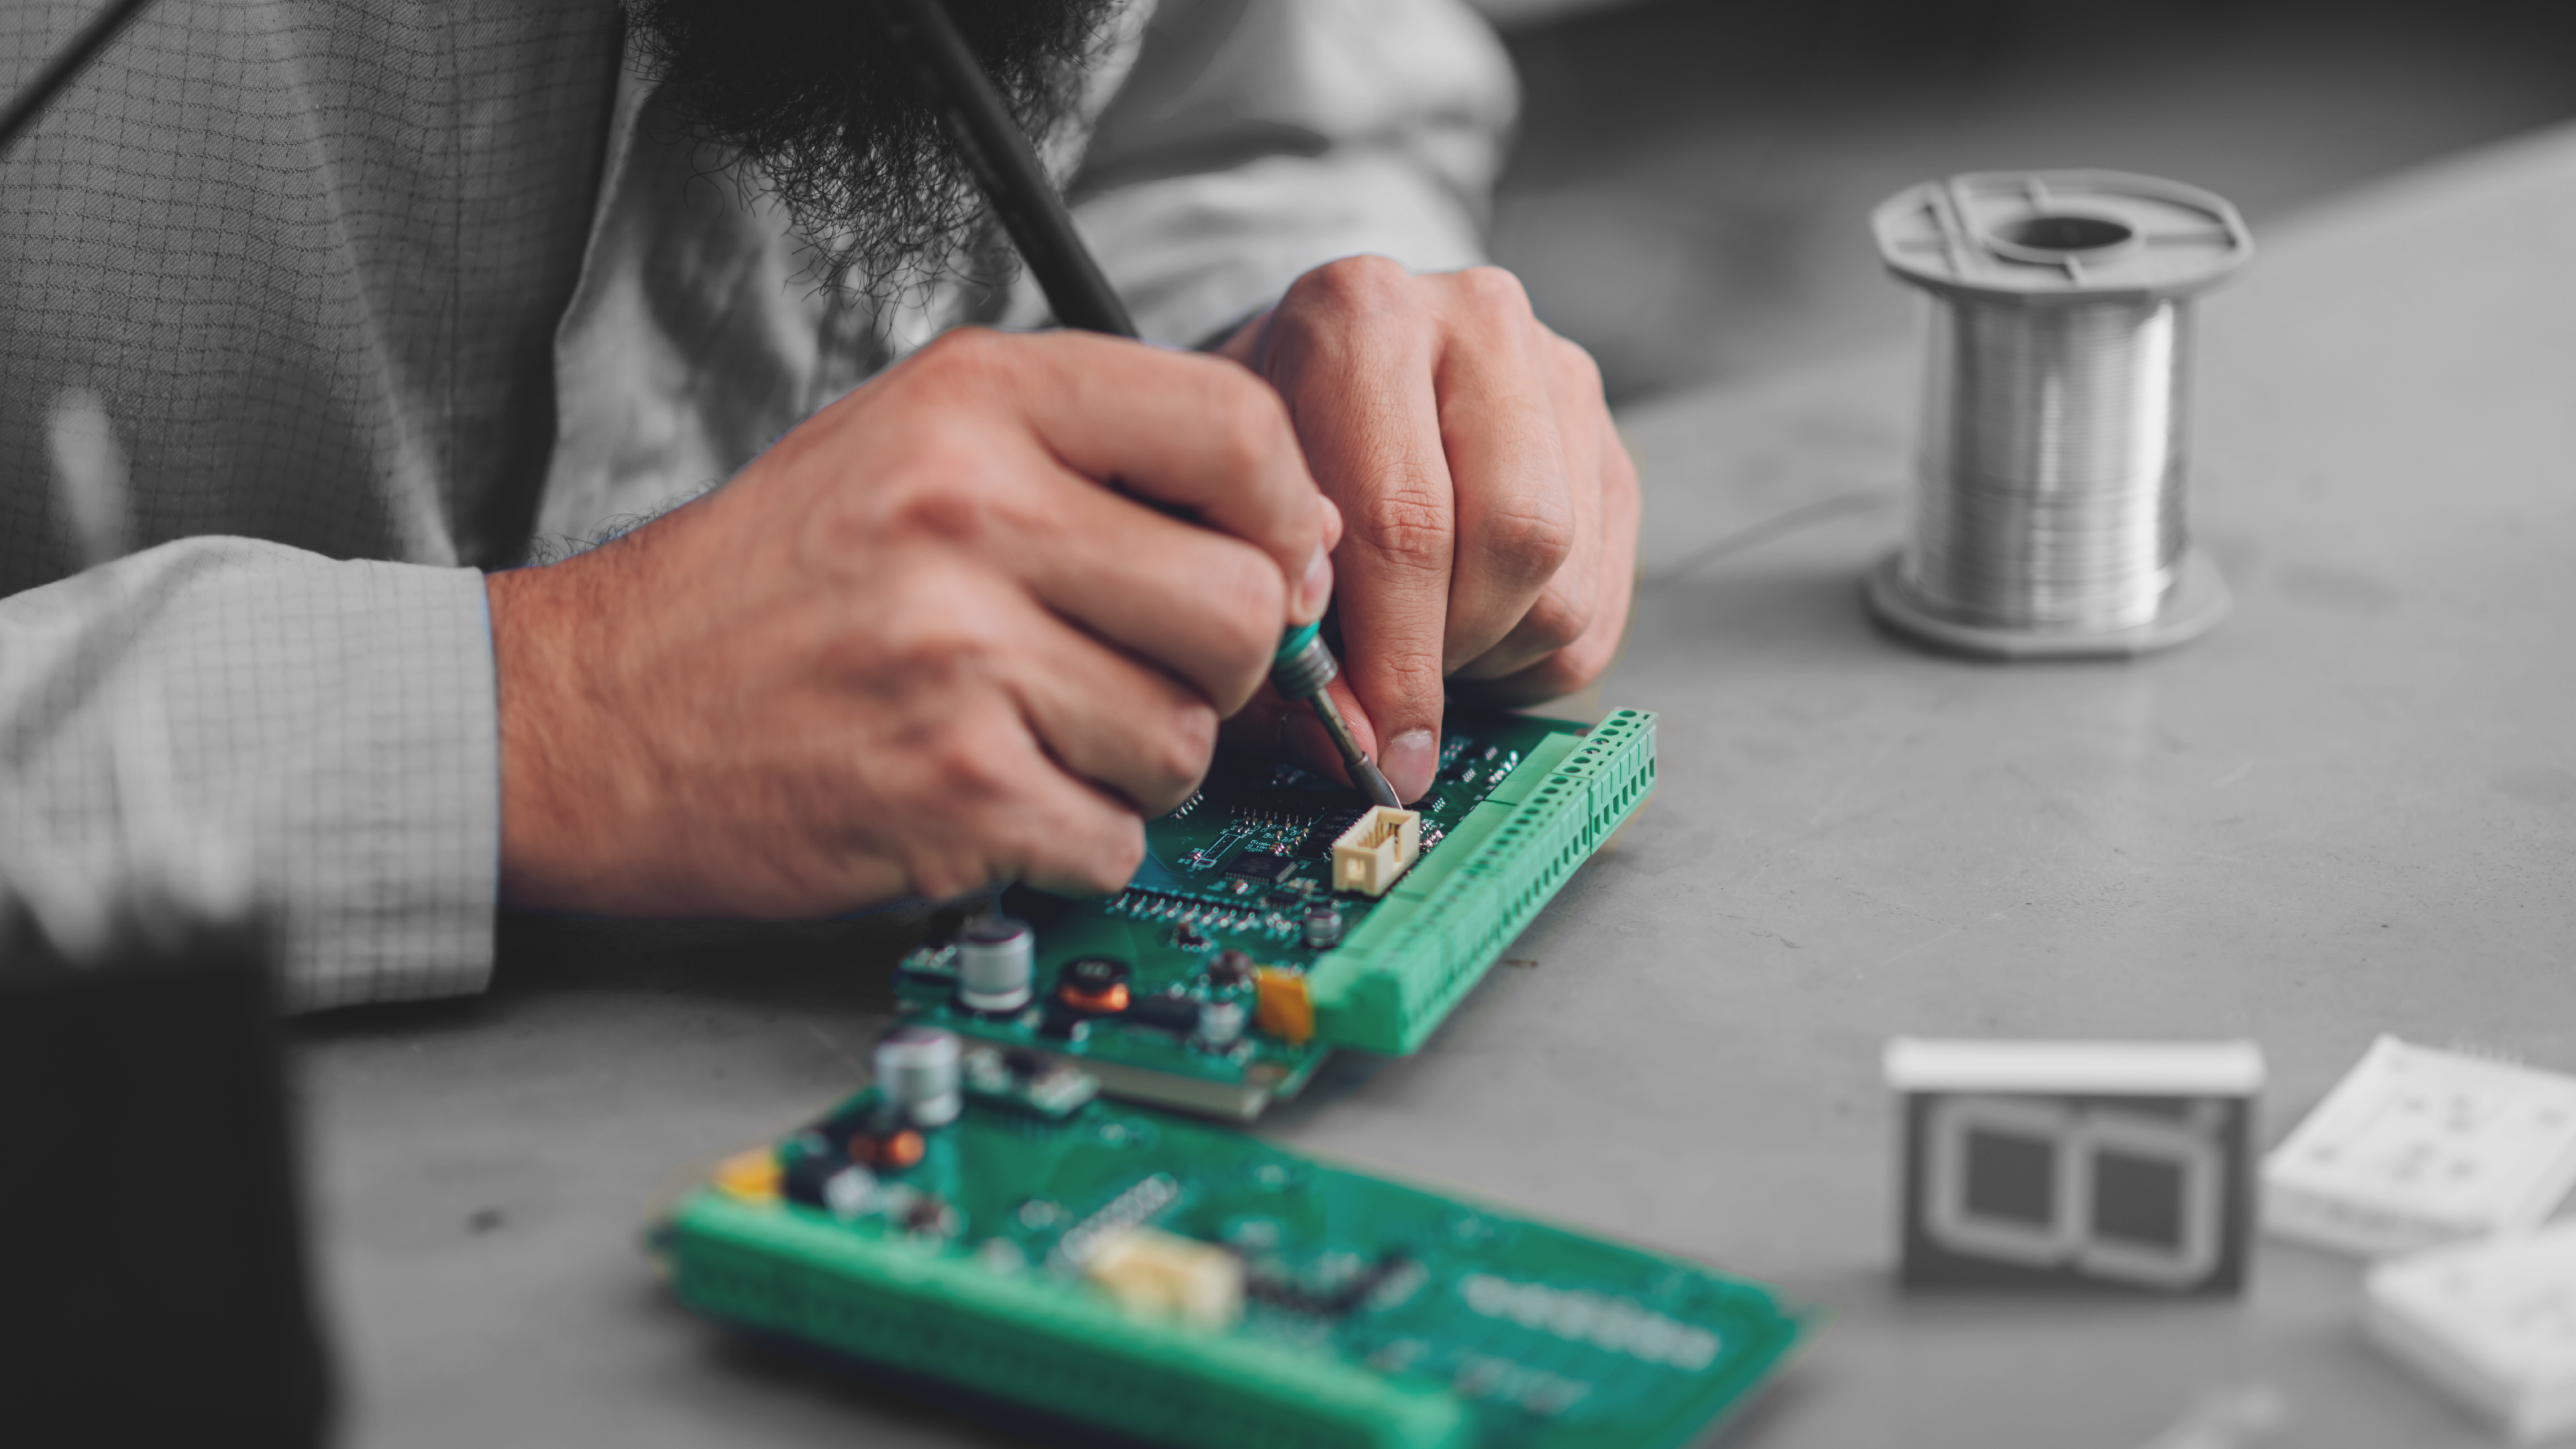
(2350,810)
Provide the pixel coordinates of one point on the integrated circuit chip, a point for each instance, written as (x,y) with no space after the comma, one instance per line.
(1261,865)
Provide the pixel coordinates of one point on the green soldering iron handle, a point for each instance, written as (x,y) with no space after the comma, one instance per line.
(1301,669)
(1303,666)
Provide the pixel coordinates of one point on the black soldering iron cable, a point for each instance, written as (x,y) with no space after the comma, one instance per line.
(32,101)
(1007,170)
(995,150)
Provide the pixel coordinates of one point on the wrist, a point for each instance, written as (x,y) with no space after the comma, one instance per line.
(534,659)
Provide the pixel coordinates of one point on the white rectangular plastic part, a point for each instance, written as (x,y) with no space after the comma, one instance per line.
(2416,1147)
(2101,1068)
(1377,850)
(2492,1323)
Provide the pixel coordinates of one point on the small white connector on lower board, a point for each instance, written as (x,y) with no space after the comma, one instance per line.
(1377,850)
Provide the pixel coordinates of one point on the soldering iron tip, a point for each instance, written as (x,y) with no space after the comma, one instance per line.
(1372,782)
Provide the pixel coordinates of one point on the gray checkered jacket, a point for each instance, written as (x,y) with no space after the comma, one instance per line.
(311,310)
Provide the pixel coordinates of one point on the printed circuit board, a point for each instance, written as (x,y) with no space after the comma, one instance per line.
(1181,1283)
(1229,967)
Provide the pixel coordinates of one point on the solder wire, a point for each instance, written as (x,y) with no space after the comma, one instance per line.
(2052,463)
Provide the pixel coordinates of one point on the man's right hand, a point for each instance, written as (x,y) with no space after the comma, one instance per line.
(939,635)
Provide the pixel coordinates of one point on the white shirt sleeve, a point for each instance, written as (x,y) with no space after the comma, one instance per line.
(326,727)
(1256,139)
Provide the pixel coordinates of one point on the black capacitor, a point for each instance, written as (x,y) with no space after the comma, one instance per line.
(1231,968)
(1178,1015)
(803,1181)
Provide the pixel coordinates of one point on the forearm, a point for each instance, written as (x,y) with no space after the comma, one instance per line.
(327,725)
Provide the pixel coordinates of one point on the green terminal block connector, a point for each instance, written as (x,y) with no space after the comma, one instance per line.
(1397,977)
(1180,1284)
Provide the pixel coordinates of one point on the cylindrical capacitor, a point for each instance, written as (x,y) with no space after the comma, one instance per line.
(996,961)
(1323,928)
(1220,1022)
(917,1074)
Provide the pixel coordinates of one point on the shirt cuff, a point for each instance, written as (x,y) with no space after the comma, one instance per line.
(332,725)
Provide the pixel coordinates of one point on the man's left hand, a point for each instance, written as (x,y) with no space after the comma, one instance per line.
(1490,508)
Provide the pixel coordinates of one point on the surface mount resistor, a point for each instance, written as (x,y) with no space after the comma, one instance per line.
(1283,1008)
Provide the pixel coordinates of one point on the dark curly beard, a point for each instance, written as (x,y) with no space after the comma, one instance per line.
(810,95)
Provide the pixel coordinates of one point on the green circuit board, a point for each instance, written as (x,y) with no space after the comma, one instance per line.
(1233,875)
(1363,1312)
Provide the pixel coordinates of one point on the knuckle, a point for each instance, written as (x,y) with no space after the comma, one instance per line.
(940,495)
(1619,476)
(949,483)
(962,770)
(1115,863)
(1180,756)
(1577,370)
(1556,621)
(1577,665)
(1414,677)
(1410,525)
(1099,860)
(964,356)
(941,629)
(1531,537)
(1246,420)
(1247,617)
(1494,290)
(938,877)
(1356,284)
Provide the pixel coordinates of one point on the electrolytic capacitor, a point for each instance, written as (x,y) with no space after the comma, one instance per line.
(917,1074)
(1220,1022)
(1323,928)
(996,962)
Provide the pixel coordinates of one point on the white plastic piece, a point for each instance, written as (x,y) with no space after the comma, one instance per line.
(2041,237)
(1377,850)
(2108,1068)
(1154,1275)
(2416,1147)
(2492,1323)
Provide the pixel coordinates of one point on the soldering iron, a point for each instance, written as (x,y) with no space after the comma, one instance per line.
(1016,186)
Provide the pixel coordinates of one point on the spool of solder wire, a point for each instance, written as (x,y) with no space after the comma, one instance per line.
(2051,467)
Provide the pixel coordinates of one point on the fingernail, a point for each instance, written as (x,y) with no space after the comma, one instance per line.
(1317,590)
(1410,760)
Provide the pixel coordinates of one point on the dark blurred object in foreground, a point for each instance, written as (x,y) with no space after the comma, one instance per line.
(156,1292)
